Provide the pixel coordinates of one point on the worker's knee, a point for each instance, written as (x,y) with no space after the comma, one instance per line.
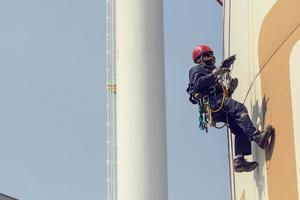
(244,114)
(243,108)
(239,107)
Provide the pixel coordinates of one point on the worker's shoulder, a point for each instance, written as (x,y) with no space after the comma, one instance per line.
(197,68)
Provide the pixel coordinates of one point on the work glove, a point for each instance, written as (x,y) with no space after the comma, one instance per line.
(228,62)
(233,85)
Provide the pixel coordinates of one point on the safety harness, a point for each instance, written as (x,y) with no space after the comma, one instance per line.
(204,108)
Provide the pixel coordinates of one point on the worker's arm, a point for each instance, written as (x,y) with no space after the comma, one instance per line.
(201,80)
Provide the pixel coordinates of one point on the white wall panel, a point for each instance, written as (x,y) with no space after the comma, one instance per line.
(295,90)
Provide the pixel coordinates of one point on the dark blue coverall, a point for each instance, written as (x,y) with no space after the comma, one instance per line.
(202,81)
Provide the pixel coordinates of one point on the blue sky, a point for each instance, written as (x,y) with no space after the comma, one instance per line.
(52,102)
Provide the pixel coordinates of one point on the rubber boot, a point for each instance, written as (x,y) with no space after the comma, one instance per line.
(242,165)
(262,138)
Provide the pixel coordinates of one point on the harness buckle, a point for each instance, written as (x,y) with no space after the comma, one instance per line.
(205,100)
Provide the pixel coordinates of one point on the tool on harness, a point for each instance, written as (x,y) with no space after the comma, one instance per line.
(202,117)
(205,114)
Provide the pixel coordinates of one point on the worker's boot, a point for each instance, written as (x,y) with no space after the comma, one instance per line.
(262,138)
(242,165)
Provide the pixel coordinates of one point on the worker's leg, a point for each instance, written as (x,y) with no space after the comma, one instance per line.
(242,147)
(239,114)
(242,144)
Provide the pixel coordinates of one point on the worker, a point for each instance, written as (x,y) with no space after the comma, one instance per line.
(204,86)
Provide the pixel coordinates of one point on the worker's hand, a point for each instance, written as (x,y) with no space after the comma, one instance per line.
(219,71)
(233,84)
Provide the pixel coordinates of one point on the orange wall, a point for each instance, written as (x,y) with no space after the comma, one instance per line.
(279,32)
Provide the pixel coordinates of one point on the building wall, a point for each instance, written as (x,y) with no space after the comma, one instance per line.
(280,37)
(295,91)
(264,36)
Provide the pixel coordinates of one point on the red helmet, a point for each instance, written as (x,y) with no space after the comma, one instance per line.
(199,50)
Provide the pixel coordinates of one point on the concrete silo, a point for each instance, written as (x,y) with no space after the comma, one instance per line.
(137,163)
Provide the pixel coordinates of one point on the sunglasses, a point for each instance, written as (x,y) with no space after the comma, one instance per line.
(208,54)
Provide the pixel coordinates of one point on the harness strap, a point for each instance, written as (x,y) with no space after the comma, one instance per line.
(209,110)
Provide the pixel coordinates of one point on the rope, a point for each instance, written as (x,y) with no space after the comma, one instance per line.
(209,110)
(202,117)
(221,106)
(225,94)
(263,67)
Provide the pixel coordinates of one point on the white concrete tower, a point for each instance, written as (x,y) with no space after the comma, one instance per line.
(141,123)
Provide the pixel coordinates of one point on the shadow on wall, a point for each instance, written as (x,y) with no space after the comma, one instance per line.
(258,118)
(270,148)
